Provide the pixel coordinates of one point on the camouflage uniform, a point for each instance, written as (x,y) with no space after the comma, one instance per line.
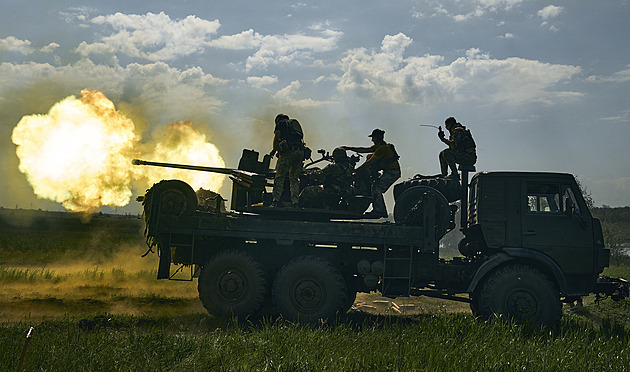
(290,147)
(334,182)
(289,165)
(461,150)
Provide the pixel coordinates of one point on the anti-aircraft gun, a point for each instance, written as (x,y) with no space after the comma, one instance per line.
(251,194)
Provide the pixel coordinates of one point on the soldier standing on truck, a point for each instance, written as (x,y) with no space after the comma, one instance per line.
(288,143)
(333,182)
(461,147)
(382,161)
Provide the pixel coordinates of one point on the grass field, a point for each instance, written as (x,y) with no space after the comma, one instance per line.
(95,305)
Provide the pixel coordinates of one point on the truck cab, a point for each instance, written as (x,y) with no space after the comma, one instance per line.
(542,218)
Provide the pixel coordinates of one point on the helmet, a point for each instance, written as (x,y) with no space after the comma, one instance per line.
(281,117)
(339,153)
(450,121)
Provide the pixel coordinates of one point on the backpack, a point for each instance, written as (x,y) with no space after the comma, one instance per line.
(467,143)
(292,133)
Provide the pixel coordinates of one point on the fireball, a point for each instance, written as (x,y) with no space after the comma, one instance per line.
(79,154)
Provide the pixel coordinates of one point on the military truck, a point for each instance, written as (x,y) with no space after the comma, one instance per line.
(530,244)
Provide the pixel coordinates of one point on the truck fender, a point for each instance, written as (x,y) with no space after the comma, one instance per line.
(508,254)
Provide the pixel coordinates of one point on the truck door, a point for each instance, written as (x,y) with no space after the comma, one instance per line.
(555,224)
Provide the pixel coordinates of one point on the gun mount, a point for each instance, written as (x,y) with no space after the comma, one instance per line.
(252,183)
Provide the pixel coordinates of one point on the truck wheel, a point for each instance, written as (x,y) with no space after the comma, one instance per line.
(176,198)
(232,283)
(520,293)
(309,288)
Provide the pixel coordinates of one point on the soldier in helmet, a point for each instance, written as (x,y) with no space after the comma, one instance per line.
(333,182)
(288,143)
(382,161)
(461,147)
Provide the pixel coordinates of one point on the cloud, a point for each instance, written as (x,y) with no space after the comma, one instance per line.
(288,94)
(166,93)
(549,11)
(13,44)
(49,48)
(154,37)
(261,81)
(622,76)
(478,8)
(283,49)
(388,76)
(506,4)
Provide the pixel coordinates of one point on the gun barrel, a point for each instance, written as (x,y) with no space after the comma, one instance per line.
(184,166)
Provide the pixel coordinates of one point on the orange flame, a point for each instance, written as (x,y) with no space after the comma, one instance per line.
(183,144)
(79,153)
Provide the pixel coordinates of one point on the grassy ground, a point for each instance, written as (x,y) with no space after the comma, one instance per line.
(95,304)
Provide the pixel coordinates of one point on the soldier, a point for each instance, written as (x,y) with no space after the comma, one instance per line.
(333,182)
(383,162)
(288,143)
(461,147)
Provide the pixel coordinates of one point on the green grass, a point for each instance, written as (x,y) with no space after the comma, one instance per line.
(448,342)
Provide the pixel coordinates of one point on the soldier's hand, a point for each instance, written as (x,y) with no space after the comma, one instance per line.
(440,133)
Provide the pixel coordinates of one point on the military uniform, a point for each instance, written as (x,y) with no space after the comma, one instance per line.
(382,183)
(461,150)
(333,181)
(290,147)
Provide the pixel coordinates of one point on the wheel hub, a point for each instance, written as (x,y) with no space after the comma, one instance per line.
(308,295)
(521,303)
(231,285)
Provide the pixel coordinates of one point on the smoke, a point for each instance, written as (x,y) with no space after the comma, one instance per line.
(79,153)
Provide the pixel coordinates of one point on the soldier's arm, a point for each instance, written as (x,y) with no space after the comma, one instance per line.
(357,149)
(370,160)
(276,134)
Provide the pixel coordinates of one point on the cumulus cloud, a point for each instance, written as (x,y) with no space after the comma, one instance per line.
(261,81)
(13,44)
(549,11)
(477,8)
(388,76)
(154,37)
(289,96)
(282,49)
(165,92)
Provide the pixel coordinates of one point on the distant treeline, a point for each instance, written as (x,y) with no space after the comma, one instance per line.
(612,214)
(617,216)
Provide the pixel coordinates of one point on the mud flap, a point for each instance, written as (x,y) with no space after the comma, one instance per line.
(164,266)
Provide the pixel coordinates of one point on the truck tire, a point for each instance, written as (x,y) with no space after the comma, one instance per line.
(232,283)
(309,288)
(176,198)
(520,293)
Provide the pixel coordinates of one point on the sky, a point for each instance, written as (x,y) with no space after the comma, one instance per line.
(542,85)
